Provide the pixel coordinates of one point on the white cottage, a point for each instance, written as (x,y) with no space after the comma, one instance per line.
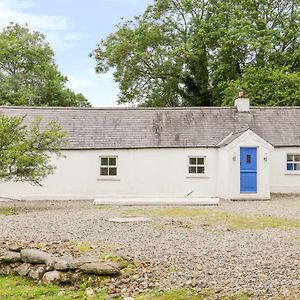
(170,153)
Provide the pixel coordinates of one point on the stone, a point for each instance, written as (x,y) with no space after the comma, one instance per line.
(10,257)
(34,256)
(37,272)
(16,264)
(59,263)
(77,262)
(23,269)
(90,292)
(14,247)
(101,268)
(51,277)
(194,282)
(5,269)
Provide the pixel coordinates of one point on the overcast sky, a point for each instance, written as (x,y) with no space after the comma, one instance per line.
(73,28)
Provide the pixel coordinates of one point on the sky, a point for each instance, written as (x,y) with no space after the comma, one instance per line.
(73,28)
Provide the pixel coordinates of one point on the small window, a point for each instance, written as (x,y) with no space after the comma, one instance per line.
(196,165)
(293,162)
(108,166)
(248,159)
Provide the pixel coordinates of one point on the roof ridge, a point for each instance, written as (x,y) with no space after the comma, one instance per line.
(142,108)
(113,108)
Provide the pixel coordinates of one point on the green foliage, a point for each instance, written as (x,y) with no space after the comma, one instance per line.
(28,73)
(26,150)
(187,52)
(266,86)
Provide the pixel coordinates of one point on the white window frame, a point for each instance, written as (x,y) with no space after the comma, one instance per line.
(204,165)
(108,166)
(293,162)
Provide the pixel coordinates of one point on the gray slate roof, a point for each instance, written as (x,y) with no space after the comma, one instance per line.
(122,128)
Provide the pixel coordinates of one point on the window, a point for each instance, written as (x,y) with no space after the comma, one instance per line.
(248,159)
(196,165)
(293,162)
(108,166)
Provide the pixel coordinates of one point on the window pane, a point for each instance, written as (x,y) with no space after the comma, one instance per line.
(297,167)
(289,167)
(112,161)
(103,171)
(248,159)
(289,157)
(193,160)
(112,171)
(297,157)
(200,170)
(200,161)
(192,170)
(104,161)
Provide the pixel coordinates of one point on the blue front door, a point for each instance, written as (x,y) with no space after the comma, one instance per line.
(248,170)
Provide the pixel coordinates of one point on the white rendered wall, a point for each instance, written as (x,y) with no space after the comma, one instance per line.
(283,181)
(141,173)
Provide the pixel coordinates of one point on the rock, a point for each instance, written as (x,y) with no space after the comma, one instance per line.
(37,272)
(34,256)
(16,264)
(135,277)
(51,277)
(90,292)
(59,263)
(23,269)
(10,257)
(101,268)
(5,269)
(194,282)
(14,247)
(77,262)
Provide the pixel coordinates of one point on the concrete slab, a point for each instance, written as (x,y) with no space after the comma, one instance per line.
(156,201)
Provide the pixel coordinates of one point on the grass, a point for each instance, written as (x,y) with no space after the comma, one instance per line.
(103,206)
(123,263)
(20,288)
(233,221)
(184,294)
(82,247)
(8,211)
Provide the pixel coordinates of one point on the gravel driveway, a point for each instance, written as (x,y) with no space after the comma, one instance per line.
(182,250)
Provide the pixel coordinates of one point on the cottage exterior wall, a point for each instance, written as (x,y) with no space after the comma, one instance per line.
(281,180)
(141,173)
(162,173)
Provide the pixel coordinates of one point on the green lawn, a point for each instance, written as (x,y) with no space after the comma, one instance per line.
(7,211)
(233,221)
(21,288)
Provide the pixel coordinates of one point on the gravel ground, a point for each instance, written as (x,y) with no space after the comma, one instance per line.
(179,251)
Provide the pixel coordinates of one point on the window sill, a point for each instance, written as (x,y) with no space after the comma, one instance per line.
(197,176)
(292,173)
(108,178)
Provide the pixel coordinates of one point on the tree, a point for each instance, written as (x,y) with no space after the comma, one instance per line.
(26,150)
(266,86)
(187,52)
(28,73)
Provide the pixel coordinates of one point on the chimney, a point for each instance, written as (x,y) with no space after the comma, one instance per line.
(242,103)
